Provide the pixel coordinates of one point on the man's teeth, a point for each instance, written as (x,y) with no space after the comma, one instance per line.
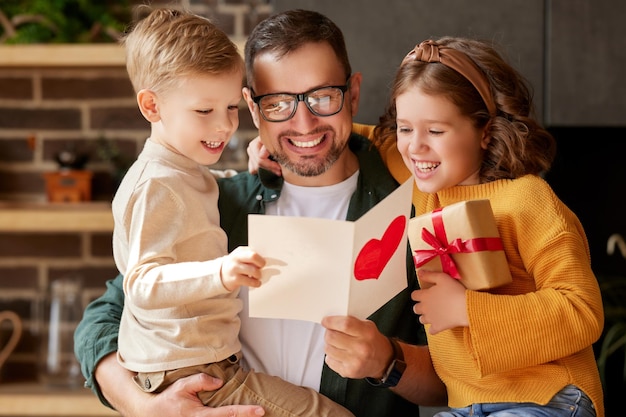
(426,166)
(307,144)
(212,144)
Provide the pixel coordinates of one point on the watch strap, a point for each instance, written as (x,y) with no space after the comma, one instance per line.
(394,371)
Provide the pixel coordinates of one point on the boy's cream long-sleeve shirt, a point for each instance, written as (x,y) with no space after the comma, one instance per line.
(168,244)
(528,339)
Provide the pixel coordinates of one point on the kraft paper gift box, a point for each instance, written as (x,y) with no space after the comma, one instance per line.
(461,239)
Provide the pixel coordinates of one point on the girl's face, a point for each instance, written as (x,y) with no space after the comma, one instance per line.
(439,145)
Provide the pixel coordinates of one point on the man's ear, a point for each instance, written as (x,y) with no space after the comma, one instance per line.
(355,92)
(247,96)
(147,101)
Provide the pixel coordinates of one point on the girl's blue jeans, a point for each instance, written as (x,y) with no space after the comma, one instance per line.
(569,402)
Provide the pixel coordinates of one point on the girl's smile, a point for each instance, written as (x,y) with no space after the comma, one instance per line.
(439,145)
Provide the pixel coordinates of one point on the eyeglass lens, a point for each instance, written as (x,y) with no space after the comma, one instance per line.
(322,102)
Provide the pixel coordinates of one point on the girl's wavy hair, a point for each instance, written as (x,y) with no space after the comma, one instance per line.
(519,145)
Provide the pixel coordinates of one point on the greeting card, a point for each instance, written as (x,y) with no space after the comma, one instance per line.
(319,267)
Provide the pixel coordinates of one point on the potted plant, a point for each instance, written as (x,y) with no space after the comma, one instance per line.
(63,21)
(613,342)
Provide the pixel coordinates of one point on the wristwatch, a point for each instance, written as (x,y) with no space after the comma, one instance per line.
(394,371)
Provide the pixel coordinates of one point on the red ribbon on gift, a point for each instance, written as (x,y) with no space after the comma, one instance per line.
(443,248)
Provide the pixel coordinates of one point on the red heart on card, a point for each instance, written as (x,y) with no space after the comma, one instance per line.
(375,254)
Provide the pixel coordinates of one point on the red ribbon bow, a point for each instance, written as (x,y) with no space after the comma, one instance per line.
(443,248)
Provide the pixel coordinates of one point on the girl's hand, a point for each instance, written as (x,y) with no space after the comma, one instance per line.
(442,304)
(259,157)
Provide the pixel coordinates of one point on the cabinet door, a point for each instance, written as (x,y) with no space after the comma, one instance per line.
(380,33)
(587,63)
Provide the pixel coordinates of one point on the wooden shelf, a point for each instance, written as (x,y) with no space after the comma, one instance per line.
(62,55)
(38,400)
(55,217)
(69,55)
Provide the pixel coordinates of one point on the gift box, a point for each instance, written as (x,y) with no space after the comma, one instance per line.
(462,240)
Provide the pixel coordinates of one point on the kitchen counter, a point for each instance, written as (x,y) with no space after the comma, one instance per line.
(55,217)
(38,400)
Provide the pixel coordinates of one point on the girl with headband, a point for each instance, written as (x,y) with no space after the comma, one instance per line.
(461,118)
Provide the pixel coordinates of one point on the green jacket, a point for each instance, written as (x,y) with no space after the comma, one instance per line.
(243,194)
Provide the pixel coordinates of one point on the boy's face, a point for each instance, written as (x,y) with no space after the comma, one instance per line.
(198,116)
(310,148)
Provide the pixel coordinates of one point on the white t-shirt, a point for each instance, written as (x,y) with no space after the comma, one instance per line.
(293,349)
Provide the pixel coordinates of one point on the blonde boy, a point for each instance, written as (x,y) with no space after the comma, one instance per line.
(181,286)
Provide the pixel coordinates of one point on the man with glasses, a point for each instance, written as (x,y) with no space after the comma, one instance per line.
(327,171)
(280,107)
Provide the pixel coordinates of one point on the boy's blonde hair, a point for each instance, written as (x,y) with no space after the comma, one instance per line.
(171,43)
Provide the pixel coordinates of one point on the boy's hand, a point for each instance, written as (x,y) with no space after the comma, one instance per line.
(242,267)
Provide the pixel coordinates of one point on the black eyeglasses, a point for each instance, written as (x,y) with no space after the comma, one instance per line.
(323,102)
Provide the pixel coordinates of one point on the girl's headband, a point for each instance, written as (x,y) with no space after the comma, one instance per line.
(429,51)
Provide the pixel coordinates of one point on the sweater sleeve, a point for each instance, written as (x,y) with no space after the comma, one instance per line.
(392,159)
(364,130)
(174,250)
(96,334)
(553,309)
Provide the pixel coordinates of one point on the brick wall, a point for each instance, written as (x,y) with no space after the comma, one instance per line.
(44,110)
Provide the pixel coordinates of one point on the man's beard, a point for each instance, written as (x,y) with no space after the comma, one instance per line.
(310,166)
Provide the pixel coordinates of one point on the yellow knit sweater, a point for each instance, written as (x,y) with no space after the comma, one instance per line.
(528,339)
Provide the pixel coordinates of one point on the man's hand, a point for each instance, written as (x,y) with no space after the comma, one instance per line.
(178,400)
(259,157)
(355,348)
